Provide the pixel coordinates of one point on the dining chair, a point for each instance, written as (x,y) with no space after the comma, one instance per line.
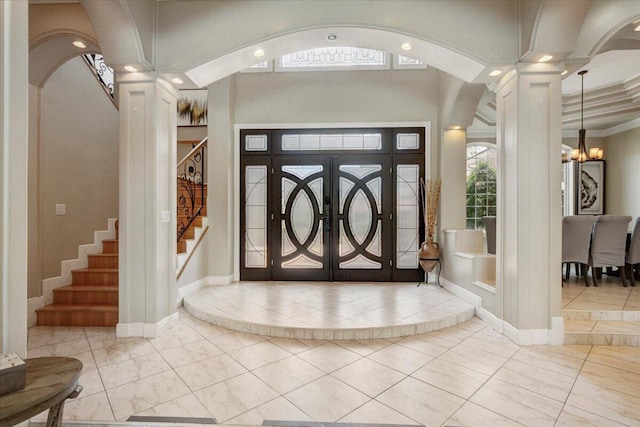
(633,254)
(608,241)
(576,236)
(490,228)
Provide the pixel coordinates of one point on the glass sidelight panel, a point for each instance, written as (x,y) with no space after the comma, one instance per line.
(407,221)
(256,216)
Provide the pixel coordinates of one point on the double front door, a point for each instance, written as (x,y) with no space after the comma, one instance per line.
(336,204)
(332,219)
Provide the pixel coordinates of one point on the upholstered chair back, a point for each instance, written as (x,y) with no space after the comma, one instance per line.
(576,237)
(608,241)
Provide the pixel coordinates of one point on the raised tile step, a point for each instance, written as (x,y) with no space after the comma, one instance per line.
(230,309)
(602,332)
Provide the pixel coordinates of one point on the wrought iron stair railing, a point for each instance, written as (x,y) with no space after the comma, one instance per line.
(191,187)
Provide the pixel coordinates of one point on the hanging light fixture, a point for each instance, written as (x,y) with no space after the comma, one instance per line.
(580,154)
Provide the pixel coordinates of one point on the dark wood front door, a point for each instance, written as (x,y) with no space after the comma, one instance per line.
(332,218)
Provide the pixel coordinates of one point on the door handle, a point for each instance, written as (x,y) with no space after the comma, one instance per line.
(327,214)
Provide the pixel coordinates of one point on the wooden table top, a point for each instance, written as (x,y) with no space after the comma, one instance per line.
(49,380)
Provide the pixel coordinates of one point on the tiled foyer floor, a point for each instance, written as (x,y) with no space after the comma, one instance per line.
(466,375)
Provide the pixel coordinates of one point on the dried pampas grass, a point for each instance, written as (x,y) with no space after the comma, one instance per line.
(430,197)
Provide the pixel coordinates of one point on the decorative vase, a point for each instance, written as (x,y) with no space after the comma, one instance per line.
(429,254)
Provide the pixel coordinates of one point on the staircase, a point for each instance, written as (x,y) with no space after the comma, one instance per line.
(92,297)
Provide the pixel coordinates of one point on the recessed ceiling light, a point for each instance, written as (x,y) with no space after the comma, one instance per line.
(456,127)
(80,44)
(545,58)
(177,80)
(130,68)
(637,28)
(495,73)
(406,46)
(332,37)
(258,53)
(564,73)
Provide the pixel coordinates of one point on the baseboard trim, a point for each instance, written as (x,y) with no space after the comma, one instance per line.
(221,280)
(191,288)
(553,336)
(146,330)
(32,305)
(66,266)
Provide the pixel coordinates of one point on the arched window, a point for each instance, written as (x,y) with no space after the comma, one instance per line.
(482,162)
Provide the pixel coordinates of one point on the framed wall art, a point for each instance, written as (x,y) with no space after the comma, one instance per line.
(590,183)
(192,108)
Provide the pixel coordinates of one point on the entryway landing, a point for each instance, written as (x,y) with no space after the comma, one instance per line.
(329,310)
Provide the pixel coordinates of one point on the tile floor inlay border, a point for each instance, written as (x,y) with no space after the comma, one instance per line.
(329,310)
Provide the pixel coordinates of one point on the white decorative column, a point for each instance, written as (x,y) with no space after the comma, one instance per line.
(453,200)
(147,220)
(221,186)
(529,204)
(14,115)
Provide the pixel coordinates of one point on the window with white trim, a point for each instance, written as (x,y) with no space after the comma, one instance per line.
(482,162)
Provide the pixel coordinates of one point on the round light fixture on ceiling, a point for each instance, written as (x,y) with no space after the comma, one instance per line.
(177,80)
(495,73)
(406,46)
(564,73)
(130,68)
(258,53)
(456,127)
(636,26)
(332,37)
(545,58)
(79,44)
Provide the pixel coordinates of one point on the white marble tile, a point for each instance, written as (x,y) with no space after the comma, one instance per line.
(472,415)
(625,358)
(189,353)
(95,407)
(88,362)
(607,403)
(288,374)
(276,409)
(572,417)
(363,347)
(428,344)
(453,334)
(491,341)
(121,351)
(68,348)
(539,380)
(369,377)
(421,402)
(146,393)
(183,406)
(615,379)
(326,399)
(132,369)
(235,340)
(91,383)
(400,358)
(374,412)
(257,355)
(56,336)
(517,403)
(329,357)
(235,396)
(542,357)
(455,379)
(474,358)
(91,331)
(177,336)
(209,371)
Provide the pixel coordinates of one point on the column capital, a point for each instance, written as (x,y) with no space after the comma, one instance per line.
(145,77)
(528,68)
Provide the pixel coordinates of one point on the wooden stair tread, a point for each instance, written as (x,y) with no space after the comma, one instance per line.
(104,255)
(79,307)
(87,288)
(98,270)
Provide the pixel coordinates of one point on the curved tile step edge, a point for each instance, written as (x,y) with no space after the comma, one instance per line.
(373,332)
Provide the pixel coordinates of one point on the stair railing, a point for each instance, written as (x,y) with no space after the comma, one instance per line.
(191,186)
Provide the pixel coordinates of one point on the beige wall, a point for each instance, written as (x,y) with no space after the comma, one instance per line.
(336,96)
(34,280)
(622,173)
(78,163)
